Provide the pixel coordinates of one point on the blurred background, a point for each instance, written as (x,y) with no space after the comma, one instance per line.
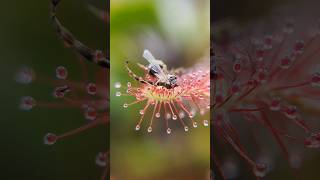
(176,32)
(27,38)
(232,20)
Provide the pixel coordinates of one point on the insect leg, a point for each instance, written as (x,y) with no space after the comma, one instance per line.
(143,67)
(134,76)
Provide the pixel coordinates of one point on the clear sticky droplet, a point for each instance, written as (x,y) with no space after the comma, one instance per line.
(168,131)
(137,127)
(182,115)
(50,139)
(168,116)
(157,115)
(195,124)
(149,129)
(174,117)
(125,105)
(205,123)
(118,94)
(117,85)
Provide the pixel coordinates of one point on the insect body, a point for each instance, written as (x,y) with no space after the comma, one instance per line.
(157,70)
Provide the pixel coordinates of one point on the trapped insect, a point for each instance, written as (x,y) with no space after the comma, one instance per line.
(157,71)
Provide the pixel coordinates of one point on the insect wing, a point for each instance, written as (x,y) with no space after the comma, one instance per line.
(149,57)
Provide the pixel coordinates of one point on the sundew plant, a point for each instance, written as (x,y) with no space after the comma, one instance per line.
(264,99)
(90,94)
(176,94)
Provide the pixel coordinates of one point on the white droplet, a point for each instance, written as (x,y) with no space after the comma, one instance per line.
(129,84)
(125,105)
(118,94)
(25,75)
(101,159)
(168,116)
(141,112)
(186,128)
(27,103)
(174,117)
(182,115)
(137,127)
(168,131)
(195,124)
(193,112)
(157,115)
(149,129)
(117,85)
(205,123)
